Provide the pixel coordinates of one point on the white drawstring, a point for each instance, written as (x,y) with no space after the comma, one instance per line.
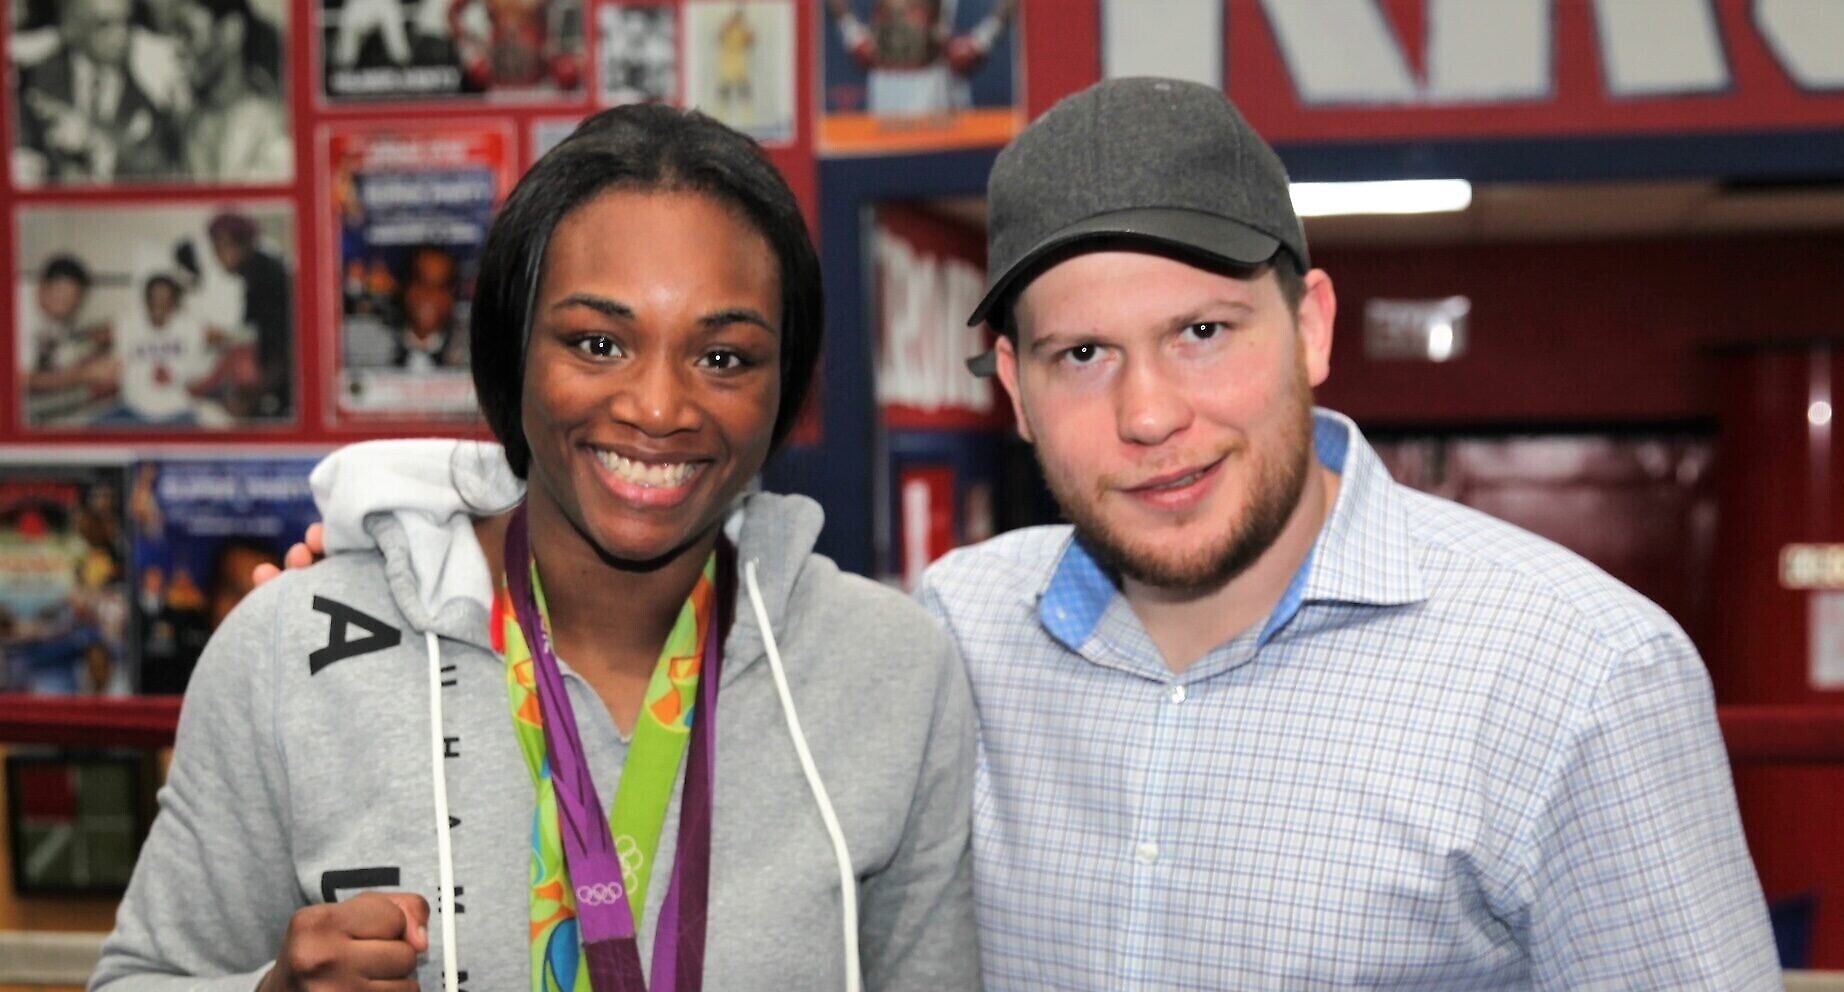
(848,882)
(444,852)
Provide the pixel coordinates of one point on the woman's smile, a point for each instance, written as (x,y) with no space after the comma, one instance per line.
(647,483)
(653,373)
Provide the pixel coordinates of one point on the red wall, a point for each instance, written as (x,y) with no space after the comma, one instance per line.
(1597,332)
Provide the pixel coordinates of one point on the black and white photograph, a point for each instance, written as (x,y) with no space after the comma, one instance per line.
(434,49)
(638,53)
(160,318)
(113,92)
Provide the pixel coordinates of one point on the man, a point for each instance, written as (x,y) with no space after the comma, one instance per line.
(1262,718)
(266,295)
(427,339)
(83,116)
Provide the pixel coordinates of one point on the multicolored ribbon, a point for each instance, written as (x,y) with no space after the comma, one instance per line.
(589,883)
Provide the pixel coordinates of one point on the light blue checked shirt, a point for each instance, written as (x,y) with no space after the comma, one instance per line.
(1455,757)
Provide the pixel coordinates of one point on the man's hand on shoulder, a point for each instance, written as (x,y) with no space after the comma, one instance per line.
(312,548)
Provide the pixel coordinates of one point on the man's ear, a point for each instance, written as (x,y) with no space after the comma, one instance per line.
(1318,308)
(1007,353)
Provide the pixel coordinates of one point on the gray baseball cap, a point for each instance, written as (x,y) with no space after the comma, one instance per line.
(1163,163)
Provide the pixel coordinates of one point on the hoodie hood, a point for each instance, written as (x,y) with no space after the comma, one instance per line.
(414,501)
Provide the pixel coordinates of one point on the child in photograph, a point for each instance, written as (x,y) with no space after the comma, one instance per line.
(61,358)
(165,357)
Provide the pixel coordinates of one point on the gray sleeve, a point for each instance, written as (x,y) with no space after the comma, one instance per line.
(215,887)
(1636,864)
(916,922)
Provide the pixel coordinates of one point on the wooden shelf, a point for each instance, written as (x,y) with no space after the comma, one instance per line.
(1783,735)
(88,721)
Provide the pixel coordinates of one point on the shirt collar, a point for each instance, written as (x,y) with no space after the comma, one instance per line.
(1363,554)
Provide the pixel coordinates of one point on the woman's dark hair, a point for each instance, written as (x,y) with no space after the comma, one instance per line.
(639,147)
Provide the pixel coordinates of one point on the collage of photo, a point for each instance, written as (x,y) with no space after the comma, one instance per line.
(259,222)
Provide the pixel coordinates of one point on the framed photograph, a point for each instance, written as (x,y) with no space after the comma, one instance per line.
(108,92)
(76,821)
(739,65)
(902,76)
(172,317)
(409,207)
(197,528)
(416,50)
(65,623)
(637,53)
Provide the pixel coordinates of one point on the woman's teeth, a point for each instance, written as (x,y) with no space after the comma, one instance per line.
(662,476)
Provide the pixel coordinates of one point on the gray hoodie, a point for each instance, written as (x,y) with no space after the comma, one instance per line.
(305,763)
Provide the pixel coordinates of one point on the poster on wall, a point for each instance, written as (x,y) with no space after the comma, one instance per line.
(739,65)
(930,272)
(108,92)
(197,528)
(409,207)
(155,318)
(943,454)
(637,55)
(407,50)
(918,75)
(64,614)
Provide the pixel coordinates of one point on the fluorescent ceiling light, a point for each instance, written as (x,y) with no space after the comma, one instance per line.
(1402,196)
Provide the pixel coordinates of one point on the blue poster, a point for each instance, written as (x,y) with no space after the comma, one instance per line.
(410,206)
(199,528)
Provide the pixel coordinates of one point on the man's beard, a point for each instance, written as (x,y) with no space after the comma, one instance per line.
(1275,488)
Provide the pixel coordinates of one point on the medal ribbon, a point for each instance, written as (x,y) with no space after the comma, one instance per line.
(593,877)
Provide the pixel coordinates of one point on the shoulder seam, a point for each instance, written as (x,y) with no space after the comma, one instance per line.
(1598,629)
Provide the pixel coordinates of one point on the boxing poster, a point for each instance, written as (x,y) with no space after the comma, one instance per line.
(416,50)
(198,527)
(918,75)
(409,207)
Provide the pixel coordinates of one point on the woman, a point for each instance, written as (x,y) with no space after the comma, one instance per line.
(644,331)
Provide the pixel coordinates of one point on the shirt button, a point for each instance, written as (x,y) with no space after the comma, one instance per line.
(1146,852)
(1177,693)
